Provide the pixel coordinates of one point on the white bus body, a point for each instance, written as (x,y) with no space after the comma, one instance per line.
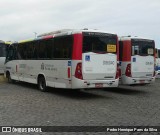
(75,59)
(136,60)
(157,63)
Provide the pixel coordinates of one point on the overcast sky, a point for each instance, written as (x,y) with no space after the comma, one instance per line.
(19,19)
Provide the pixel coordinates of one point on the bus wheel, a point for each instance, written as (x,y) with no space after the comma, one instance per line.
(42,84)
(9,78)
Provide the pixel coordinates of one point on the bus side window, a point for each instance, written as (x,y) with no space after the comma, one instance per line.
(49,48)
(42,50)
(35,50)
(25,51)
(20,51)
(58,47)
(3,50)
(156,55)
(30,50)
(63,47)
(10,53)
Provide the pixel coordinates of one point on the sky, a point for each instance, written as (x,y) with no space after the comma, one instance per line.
(21,19)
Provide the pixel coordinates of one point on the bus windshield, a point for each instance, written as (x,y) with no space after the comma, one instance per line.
(99,42)
(142,47)
(2,50)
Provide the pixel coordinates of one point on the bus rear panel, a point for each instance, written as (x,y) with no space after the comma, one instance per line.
(137,61)
(97,64)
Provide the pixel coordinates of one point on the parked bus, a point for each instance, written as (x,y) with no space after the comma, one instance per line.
(136,60)
(3,48)
(71,59)
(157,63)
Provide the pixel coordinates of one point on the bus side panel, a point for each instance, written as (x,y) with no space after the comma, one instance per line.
(29,71)
(12,67)
(54,71)
(63,71)
(57,73)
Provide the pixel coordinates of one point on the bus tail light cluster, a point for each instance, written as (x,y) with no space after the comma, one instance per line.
(78,72)
(69,72)
(128,70)
(118,73)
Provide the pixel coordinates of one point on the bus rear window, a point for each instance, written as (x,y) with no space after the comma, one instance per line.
(142,47)
(99,42)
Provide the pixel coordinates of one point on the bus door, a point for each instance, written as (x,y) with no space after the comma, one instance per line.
(11,63)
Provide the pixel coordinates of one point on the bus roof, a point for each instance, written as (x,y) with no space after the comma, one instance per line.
(8,42)
(122,38)
(71,31)
(61,33)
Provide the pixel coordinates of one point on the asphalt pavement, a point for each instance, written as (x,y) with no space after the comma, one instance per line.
(21,104)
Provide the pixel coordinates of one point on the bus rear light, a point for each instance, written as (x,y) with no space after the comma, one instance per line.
(78,72)
(118,73)
(128,70)
(69,72)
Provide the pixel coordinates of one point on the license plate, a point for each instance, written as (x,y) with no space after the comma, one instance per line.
(98,85)
(142,81)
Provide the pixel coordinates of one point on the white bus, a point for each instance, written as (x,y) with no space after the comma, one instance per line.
(3,48)
(71,59)
(157,63)
(136,60)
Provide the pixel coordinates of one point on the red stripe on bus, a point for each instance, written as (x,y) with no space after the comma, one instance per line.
(126,51)
(117,49)
(77,47)
(48,37)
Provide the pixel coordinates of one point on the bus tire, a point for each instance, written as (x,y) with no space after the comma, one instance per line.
(9,78)
(42,84)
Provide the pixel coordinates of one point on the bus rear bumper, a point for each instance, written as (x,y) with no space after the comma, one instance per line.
(132,81)
(78,83)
